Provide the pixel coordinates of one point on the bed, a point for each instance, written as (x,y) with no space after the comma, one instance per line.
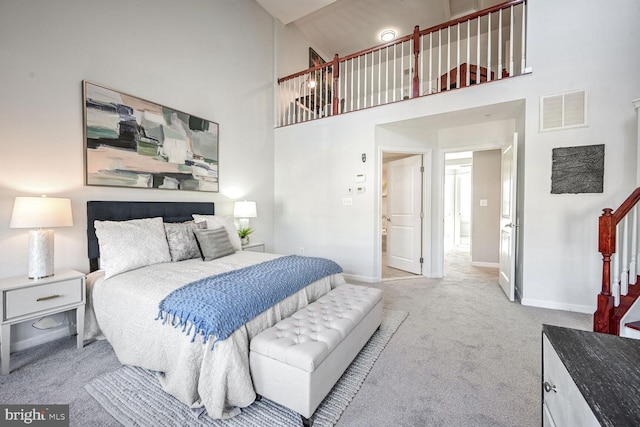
(123,308)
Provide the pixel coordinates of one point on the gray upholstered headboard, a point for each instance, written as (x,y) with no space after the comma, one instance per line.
(122,211)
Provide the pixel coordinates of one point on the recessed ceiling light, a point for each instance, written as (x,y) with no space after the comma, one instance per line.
(387,35)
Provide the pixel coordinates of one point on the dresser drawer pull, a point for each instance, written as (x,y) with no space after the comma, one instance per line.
(548,387)
(48,298)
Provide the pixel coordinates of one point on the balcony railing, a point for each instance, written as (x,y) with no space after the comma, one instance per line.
(479,48)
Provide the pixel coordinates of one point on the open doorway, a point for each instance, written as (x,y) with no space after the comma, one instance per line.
(402,215)
(471,200)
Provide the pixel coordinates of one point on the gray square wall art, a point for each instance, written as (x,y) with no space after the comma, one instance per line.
(578,170)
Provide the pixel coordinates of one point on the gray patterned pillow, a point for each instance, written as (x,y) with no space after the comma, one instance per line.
(127,245)
(214,243)
(182,242)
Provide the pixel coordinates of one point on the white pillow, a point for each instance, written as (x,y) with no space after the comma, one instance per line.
(214,221)
(127,245)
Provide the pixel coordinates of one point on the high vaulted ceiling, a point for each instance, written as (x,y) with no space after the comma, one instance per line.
(349,26)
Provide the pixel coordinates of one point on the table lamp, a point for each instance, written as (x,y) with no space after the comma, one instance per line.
(41,213)
(244,210)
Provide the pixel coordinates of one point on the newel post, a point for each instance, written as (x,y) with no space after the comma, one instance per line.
(416,54)
(607,247)
(336,81)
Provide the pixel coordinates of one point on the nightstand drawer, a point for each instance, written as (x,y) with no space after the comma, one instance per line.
(32,299)
(254,247)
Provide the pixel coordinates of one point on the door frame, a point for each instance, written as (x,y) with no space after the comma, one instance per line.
(426,207)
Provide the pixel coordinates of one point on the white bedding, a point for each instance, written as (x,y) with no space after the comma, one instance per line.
(123,309)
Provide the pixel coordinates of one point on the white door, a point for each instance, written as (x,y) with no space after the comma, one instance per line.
(508,226)
(404,214)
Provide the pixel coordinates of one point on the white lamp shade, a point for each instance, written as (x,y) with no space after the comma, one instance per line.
(245,209)
(41,212)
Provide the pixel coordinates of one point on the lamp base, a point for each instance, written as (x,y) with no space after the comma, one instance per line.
(40,253)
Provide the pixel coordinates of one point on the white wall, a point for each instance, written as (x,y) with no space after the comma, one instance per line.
(559,264)
(485,223)
(180,54)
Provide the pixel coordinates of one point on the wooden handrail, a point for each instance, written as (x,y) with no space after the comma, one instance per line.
(626,206)
(474,15)
(307,71)
(607,226)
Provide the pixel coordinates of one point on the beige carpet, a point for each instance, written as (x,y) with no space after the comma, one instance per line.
(465,356)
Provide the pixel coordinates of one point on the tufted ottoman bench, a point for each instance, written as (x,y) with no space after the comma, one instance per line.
(297,361)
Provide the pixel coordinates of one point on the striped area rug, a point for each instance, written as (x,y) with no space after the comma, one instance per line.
(133,396)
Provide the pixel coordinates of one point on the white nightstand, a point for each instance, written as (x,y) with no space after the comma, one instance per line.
(28,299)
(253,247)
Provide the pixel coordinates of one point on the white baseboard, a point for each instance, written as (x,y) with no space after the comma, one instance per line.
(485,264)
(587,309)
(41,338)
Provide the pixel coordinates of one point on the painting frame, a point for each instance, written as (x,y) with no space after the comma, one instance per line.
(315,60)
(135,143)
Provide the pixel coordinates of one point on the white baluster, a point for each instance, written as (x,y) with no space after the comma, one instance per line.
(448,58)
(359,69)
(316,92)
(439,59)
(353,61)
(402,69)
(511,23)
(373,63)
(294,92)
(615,276)
(624,257)
(422,53)
(633,264)
(291,99)
(284,96)
(298,95)
(364,88)
(386,84)
(523,61)
(499,47)
(458,56)
(467,75)
(430,63)
(478,51)
(395,67)
(488,48)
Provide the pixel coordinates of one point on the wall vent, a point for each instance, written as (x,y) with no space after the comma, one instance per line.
(563,111)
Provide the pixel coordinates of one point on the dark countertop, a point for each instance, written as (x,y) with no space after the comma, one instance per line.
(606,369)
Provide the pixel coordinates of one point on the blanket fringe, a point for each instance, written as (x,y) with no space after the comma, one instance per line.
(189,326)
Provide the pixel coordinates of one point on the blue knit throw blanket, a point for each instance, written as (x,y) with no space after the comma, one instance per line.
(220,304)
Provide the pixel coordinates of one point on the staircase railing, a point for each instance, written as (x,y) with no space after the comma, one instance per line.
(618,243)
(481,47)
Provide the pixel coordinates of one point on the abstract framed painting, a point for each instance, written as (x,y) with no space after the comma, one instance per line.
(131,142)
